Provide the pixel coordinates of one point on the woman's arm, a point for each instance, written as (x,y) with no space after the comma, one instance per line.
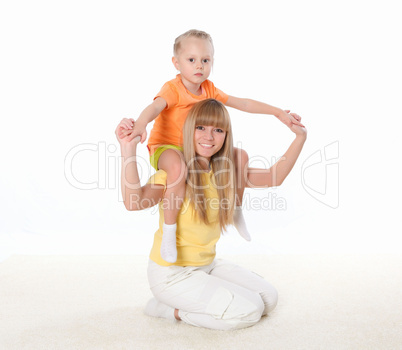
(135,196)
(275,175)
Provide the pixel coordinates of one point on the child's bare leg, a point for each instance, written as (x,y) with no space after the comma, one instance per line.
(172,162)
(241,162)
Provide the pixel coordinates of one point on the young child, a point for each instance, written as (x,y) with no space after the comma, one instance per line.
(193,58)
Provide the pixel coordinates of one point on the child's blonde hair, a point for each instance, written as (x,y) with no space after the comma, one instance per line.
(210,112)
(191,33)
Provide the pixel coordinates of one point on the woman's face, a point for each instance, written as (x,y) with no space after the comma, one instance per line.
(208,140)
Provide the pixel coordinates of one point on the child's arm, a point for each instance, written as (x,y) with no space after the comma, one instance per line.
(147,116)
(252,106)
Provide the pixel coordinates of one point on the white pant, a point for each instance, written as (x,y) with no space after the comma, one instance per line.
(221,295)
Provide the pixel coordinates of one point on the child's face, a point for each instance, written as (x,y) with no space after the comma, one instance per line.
(194,60)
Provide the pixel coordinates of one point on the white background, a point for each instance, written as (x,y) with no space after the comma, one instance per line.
(70,70)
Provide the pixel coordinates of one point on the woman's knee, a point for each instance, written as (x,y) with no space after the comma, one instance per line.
(270,299)
(249,316)
(255,311)
(236,310)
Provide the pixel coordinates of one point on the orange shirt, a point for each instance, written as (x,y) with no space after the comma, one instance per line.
(168,126)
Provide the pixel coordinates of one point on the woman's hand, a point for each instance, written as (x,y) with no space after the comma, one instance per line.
(124,130)
(297,129)
(301,132)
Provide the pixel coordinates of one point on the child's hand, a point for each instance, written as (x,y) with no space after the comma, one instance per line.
(290,118)
(125,124)
(138,130)
(124,131)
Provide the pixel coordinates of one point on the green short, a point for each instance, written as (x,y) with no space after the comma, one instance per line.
(154,157)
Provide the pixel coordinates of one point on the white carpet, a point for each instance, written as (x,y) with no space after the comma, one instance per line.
(96,302)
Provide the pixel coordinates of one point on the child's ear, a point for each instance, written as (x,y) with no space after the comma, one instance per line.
(175,62)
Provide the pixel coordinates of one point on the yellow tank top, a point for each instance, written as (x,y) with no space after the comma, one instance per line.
(196,241)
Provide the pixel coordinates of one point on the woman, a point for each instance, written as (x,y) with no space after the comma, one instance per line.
(199,289)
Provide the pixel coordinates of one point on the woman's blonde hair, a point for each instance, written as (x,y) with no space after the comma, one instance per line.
(191,33)
(210,112)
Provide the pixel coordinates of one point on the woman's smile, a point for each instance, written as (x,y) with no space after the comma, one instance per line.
(205,145)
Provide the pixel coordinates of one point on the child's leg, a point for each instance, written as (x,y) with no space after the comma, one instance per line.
(172,162)
(241,162)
